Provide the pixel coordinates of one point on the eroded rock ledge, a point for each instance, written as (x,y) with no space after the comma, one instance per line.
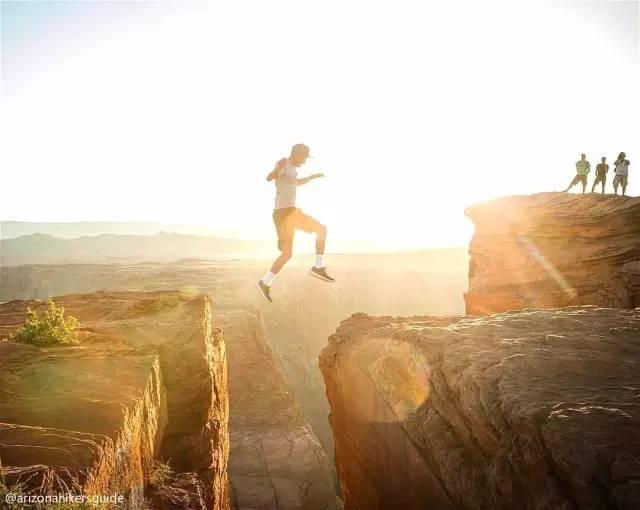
(529,410)
(147,383)
(552,250)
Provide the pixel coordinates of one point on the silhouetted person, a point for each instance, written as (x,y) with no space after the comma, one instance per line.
(601,174)
(622,173)
(288,218)
(583,167)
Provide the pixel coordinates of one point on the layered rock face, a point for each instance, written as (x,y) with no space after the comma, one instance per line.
(276,461)
(273,350)
(62,422)
(553,250)
(146,383)
(530,410)
(306,311)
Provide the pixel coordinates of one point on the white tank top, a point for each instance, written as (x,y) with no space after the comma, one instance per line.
(286,186)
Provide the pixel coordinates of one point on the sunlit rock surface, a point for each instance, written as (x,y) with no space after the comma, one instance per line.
(306,311)
(147,382)
(554,249)
(72,417)
(529,410)
(281,354)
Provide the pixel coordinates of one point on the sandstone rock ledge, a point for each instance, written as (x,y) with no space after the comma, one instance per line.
(538,409)
(72,418)
(553,250)
(148,382)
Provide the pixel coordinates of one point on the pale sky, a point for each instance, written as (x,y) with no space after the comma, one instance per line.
(175,111)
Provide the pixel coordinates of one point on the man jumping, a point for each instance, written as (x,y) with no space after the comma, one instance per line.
(287,218)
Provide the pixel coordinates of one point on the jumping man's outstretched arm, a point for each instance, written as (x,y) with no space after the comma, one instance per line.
(305,180)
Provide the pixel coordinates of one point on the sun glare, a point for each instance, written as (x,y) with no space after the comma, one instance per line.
(414,111)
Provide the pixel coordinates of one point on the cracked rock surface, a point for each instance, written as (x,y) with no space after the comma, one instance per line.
(554,249)
(147,382)
(537,409)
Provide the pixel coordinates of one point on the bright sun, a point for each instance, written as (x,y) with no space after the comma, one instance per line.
(414,110)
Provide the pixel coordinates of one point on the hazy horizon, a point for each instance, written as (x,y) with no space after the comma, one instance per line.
(263,248)
(174,112)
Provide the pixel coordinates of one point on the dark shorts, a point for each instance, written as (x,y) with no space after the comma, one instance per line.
(621,180)
(290,219)
(599,179)
(579,178)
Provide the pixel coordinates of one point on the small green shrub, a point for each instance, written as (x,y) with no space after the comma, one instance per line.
(52,327)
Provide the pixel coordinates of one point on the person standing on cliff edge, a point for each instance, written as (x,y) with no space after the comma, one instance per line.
(601,174)
(622,173)
(583,167)
(288,218)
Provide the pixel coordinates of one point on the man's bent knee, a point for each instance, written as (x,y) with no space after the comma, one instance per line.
(286,254)
(321,232)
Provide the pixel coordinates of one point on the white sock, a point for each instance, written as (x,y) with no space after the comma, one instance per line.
(319,261)
(268,278)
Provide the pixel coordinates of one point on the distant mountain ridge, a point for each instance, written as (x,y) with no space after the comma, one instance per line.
(24,243)
(163,246)
(72,230)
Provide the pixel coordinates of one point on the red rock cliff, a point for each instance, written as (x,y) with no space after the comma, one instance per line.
(554,249)
(530,410)
(147,382)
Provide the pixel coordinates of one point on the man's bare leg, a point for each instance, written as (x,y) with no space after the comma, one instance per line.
(571,184)
(264,285)
(319,269)
(279,263)
(321,239)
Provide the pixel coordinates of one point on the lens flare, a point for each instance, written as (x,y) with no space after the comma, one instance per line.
(535,252)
